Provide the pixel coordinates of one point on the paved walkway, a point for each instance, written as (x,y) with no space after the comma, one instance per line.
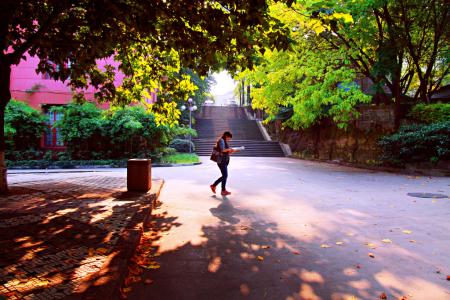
(298,230)
(58,231)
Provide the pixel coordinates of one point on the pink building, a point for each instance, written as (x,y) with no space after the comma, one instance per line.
(42,92)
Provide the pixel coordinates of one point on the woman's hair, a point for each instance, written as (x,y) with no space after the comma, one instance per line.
(224,135)
(227,134)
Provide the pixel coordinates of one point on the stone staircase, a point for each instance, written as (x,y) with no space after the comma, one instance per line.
(212,121)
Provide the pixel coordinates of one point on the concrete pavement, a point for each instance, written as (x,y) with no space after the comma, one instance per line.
(297,230)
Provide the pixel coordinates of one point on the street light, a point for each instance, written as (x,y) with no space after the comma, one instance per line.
(192,107)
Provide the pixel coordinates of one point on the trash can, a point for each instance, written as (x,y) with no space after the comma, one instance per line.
(139,175)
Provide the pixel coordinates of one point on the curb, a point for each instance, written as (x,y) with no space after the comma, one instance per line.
(87,169)
(403,171)
(106,283)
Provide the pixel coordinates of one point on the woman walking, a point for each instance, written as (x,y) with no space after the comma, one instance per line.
(223,151)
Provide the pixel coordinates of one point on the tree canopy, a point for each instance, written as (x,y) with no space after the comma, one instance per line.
(78,33)
(401,46)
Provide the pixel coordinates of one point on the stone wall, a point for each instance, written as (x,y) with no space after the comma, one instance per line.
(325,141)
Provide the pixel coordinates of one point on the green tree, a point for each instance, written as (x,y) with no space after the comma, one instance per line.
(402,45)
(311,79)
(23,126)
(203,33)
(393,43)
(81,128)
(203,86)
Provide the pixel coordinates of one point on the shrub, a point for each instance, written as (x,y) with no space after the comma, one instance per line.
(182,145)
(417,143)
(23,127)
(131,130)
(80,127)
(430,113)
(30,154)
(180,158)
(168,151)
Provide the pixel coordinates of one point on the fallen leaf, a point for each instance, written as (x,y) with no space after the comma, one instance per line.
(403,298)
(296,252)
(371,245)
(387,241)
(358,266)
(340,243)
(152,265)
(265,247)
(243,227)
(448,277)
(260,258)
(126,290)
(325,246)
(148,281)
(101,251)
(383,296)
(407,231)
(371,255)
(412,241)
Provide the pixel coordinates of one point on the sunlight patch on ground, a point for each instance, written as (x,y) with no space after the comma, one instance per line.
(418,287)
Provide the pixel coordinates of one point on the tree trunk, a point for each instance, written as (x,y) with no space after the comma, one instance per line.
(398,103)
(243,93)
(5,97)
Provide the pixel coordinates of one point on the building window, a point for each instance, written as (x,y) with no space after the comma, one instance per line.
(52,134)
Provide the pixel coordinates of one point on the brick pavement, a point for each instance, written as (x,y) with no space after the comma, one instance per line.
(56,235)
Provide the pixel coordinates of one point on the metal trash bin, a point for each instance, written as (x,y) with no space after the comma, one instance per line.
(139,175)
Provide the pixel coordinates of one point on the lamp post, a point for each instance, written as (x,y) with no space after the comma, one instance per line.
(192,107)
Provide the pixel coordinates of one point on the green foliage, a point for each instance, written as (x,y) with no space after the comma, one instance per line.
(430,113)
(133,129)
(182,145)
(44,164)
(180,158)
(333,43)
(168,151)
(23,129)
(417,143)
(79,121)
(119,132)
(204,34)
(25,154)
(201,94)
(311,79)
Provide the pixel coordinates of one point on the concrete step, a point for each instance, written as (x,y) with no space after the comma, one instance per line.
(253,148)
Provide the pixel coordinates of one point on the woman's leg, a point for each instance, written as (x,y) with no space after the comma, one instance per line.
(224,171)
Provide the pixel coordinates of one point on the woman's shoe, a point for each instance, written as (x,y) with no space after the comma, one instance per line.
(213,188)
(225,193)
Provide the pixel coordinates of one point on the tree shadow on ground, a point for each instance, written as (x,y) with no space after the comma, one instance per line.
(57,236)
(255,260)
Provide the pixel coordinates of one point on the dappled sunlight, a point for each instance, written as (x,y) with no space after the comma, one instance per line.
(60,242)
(406,285)
(311,276)
(214,264)
(307,292)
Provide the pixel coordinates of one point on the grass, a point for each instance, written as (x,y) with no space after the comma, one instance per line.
(180,158)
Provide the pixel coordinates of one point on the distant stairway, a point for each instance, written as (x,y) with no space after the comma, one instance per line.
(214,120)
